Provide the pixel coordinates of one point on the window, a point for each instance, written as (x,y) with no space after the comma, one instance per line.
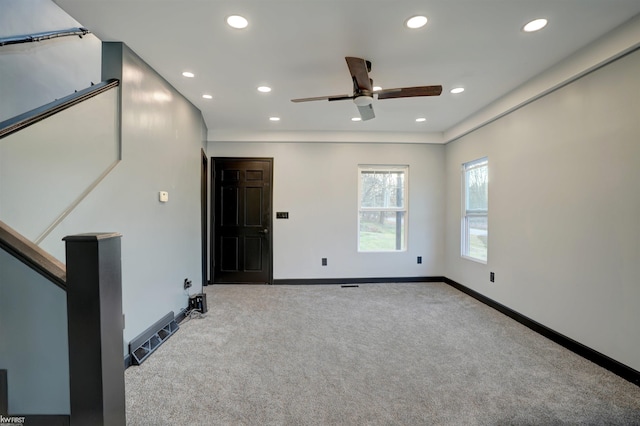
(382,208)
(475,229)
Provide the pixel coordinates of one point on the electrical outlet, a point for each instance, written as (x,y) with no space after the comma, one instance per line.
(187,283)
(324,261)
(492,277)
(419,259)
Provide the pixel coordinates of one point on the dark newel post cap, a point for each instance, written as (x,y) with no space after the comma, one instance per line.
(92,236)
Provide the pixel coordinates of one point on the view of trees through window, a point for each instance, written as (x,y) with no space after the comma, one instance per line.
(475,216)
(382,208)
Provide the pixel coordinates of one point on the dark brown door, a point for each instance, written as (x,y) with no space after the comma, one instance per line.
(242,220)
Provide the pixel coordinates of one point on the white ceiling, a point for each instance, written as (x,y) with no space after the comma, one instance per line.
(297,47)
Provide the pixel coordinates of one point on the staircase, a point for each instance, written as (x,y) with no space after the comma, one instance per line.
(60,325)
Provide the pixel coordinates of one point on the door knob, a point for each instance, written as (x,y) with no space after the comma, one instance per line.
(264,231)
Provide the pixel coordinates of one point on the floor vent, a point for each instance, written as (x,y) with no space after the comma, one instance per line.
(145,344)
(349,285)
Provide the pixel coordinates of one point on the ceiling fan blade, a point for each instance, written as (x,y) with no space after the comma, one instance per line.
(358,69)
(409,92)
(366,112)
(324,98)
(340,98)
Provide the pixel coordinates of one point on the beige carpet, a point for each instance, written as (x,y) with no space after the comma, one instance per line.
(379,354)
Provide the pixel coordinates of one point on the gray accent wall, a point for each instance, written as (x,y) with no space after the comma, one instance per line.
(162,138)
(563,210)
(33,336)
(317,183)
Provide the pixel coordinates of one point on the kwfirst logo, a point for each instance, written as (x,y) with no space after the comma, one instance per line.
(11,420)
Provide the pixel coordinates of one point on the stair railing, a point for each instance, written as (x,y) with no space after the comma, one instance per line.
(21,121)
(95,322)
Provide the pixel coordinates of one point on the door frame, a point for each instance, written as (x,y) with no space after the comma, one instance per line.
(204,215)
(212,211)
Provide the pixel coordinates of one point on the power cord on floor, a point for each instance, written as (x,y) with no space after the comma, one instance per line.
(191,314)
(195,305)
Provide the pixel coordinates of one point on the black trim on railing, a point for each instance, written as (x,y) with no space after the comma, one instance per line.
(21,121)
(46,35)
(33,256)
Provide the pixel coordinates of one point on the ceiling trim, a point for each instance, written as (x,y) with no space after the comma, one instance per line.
(603,51)
(335,137)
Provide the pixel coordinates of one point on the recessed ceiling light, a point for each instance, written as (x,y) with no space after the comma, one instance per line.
(274,118)
(356,119)
(535,25)
(264,89)
(376,88)
(207,96)
(420,119)
(237,21)
(457,90)
(416,22)
(188,74)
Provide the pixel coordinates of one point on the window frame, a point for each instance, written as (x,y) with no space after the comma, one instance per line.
(404,209)
(467,213)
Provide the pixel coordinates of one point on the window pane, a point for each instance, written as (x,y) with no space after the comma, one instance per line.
(477,233)
(382,189)
(476,209)
(477,184)
(381,231)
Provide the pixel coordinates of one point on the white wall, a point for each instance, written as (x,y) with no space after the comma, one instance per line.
(564,240)
(564,235)
(317,183)
(31,161)
(34,74)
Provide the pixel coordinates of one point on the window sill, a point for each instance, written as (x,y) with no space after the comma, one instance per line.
(473,259)
(382,251)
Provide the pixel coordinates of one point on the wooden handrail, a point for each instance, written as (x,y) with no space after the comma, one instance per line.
(21,121)
(33,256)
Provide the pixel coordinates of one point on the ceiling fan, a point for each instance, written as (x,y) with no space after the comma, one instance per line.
(363,89)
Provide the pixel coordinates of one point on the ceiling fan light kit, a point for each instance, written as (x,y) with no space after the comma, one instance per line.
(363,100)
(363,90)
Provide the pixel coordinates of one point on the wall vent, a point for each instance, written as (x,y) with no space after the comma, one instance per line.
(146,343)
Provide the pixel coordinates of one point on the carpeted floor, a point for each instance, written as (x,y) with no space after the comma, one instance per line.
(379,354)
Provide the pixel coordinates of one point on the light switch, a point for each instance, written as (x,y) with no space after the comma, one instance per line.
(164,196)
